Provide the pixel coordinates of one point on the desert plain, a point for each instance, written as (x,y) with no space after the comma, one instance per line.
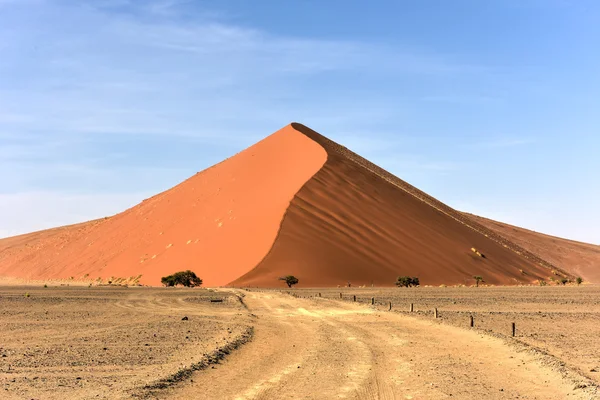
(136,342)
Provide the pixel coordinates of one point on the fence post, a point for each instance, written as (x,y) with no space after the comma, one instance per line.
(411,307)
(435,313)
(372,300)
(390,309)
(340,295)
(514,329)
(354,298)
(471,320)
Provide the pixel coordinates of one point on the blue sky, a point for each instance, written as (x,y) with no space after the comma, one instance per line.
(491,106)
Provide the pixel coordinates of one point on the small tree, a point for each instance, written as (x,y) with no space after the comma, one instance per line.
(185,278)
(579,280)
(290,280)
(407,281)
(478,278)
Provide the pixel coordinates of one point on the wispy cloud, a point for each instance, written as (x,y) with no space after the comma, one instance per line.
(165,76)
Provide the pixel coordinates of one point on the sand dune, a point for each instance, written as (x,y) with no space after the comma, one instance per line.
(577,258)
(350,223)
(219,223)
(294,203)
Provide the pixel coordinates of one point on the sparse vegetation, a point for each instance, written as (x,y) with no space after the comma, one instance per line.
(407,281)
(579,280)
(542,282)
(564,281)
(290,280)
(185,278)
(45,285)
(26,294)
(478,278)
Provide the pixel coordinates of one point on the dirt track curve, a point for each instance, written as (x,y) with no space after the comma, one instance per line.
(324,349)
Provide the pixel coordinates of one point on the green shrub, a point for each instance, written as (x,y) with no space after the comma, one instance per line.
(290,280)
(185,278)
(564,281)
(407,281)
(478,278)
(579,280)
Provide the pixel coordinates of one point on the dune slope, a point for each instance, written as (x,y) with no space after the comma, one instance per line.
(577,258)
(353,222)
(219,223)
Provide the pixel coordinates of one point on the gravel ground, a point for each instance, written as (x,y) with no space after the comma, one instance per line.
(106,342)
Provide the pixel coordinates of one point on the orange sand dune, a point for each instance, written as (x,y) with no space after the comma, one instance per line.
(294,203)
(219,223)
(577,258)
(354,222)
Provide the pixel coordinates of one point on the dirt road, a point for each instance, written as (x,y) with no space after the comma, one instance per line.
(324,349)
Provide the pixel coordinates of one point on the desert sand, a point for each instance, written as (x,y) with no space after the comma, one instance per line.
(294,203)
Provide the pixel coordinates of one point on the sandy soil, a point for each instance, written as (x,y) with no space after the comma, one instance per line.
(106,343)
(580,259)
(325,349)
